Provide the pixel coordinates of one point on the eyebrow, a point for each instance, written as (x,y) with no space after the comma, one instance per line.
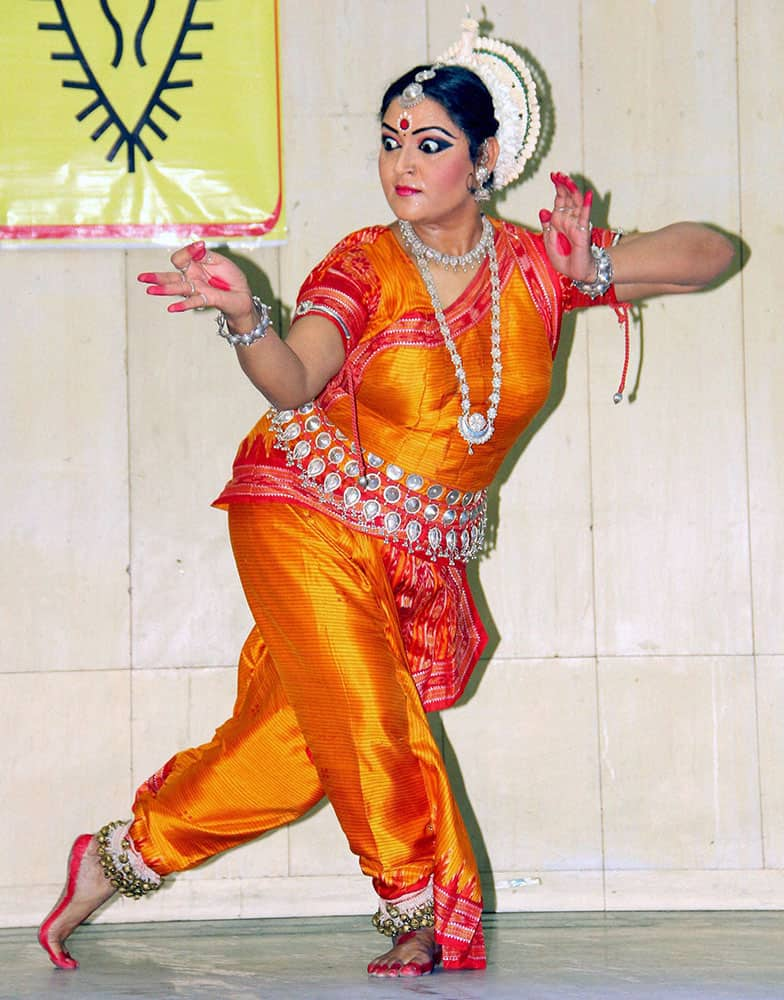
(417,131)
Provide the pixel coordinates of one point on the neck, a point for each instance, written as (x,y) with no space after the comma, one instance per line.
(455,238)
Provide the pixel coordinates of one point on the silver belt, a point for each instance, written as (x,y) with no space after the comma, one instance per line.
(423,516)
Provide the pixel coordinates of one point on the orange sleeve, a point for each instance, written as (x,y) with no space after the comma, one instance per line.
(344,287)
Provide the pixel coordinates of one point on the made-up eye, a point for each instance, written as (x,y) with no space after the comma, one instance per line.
(388,143)
(434,145)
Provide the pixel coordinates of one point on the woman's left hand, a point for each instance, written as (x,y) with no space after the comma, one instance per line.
(567,230)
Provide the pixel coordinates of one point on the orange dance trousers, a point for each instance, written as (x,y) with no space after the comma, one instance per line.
(325,706)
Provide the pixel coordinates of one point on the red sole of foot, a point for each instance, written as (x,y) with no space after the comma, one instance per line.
(62,959)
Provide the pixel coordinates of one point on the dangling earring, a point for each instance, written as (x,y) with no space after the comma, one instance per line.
(482,191)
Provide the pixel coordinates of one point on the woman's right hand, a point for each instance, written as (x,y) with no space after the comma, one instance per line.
(204,278)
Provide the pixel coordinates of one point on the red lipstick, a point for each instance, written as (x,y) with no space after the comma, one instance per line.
(405,192)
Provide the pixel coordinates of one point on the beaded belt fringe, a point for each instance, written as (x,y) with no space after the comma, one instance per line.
(407,913)
(122,864)
(427,518)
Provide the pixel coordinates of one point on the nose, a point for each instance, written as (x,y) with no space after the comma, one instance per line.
(406,161)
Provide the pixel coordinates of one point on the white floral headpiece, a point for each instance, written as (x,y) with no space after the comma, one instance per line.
(513,90)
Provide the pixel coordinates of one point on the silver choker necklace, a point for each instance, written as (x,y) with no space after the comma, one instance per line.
(464,260)
(475,427)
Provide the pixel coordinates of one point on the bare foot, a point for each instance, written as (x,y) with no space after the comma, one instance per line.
(413,954)
(86,888)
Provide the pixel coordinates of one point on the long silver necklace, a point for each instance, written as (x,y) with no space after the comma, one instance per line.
(475,427)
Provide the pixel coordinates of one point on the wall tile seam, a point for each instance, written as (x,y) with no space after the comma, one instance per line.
(496,659)
(88,671)
(129,538)
(734,869)
(593,657)
(747,433)
(188,666)
(497,872)
(590,657)
(568,869)
(96,671)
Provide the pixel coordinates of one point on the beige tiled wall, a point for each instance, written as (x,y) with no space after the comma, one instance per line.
(623,747)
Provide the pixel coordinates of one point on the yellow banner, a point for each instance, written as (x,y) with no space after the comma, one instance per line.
(136,121)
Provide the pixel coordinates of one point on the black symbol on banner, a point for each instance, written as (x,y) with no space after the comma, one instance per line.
(130,138)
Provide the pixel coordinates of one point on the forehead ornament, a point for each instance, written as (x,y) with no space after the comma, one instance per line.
(413,94)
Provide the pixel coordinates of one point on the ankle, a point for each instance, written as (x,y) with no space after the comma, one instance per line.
(123,866)
(408,913)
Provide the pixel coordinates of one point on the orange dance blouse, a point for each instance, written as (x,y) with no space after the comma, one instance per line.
(379,447)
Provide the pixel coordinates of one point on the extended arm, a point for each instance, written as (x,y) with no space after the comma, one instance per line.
(287,373)
(682,257)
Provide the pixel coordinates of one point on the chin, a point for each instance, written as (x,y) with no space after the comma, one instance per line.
(404,206)
(405,210)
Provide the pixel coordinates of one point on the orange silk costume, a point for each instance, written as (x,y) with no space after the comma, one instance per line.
(351,520)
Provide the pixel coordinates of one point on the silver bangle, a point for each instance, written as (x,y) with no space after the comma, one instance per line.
(257,333)
(604,275)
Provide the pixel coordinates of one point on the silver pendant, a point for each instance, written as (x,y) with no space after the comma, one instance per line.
(475,428)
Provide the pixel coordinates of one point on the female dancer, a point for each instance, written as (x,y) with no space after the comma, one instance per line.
(419,352)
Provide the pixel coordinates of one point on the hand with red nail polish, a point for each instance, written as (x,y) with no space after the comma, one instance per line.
(566,229)
(202,279)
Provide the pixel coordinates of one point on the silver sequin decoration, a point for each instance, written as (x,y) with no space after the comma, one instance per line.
(351,496)
(392,521)
(371,508)
(413,530)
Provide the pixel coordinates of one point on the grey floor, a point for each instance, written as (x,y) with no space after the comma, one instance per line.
(533,956)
